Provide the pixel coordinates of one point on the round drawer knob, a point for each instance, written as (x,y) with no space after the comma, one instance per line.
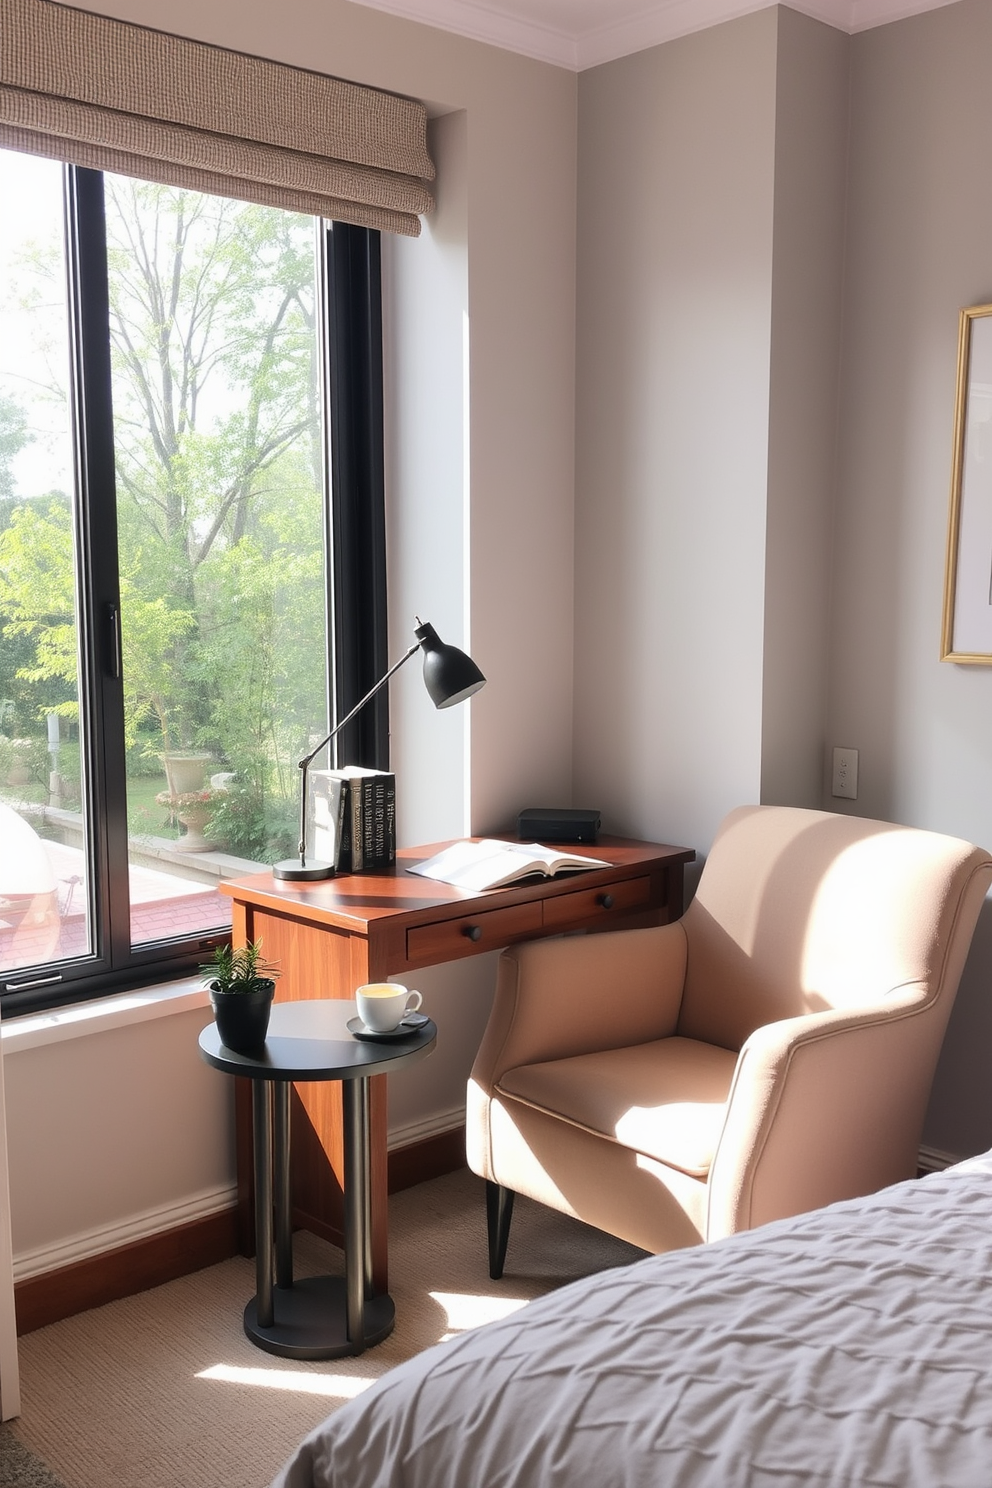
(474,932)
(606,900)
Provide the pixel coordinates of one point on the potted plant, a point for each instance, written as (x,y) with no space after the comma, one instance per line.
(241,986)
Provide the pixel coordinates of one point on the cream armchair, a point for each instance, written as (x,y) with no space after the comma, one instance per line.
(770,1052)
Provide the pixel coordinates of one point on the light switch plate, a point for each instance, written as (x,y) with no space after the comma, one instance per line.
(845,777)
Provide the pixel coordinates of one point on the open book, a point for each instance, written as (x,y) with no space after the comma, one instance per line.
(490,864)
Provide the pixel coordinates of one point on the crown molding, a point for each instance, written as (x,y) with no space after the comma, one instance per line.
(642,27)
(871,13)
(670,19)
(484,23)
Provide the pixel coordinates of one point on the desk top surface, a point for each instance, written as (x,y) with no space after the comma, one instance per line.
(357,900)
(310,1041)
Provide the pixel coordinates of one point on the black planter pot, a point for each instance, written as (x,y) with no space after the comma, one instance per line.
(243,1017)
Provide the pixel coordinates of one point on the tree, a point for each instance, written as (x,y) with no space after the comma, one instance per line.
(219,491)
(14,436)
(218,461)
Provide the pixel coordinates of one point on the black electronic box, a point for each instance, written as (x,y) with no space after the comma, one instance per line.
(557,824)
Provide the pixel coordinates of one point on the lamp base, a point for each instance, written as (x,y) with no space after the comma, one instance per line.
(297,870)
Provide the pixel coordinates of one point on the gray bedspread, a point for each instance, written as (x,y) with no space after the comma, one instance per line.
(851,1346)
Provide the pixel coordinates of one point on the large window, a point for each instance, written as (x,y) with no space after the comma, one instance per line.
(171,639)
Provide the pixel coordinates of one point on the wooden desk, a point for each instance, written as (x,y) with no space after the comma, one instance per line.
(331,936)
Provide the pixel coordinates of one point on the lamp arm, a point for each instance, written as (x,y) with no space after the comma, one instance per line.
(308,759)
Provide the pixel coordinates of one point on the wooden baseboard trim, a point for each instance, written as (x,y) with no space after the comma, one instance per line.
(429,1158)
(53,1295)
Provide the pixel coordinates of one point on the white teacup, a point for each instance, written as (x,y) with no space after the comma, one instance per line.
(383,1005)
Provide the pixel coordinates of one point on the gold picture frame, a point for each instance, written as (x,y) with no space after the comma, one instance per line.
(966,631)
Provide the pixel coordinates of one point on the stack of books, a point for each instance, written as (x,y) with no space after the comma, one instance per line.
(353,818)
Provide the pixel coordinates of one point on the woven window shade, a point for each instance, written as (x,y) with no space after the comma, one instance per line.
(118,97)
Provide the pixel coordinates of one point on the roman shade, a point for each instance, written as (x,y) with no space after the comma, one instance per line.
(123,98)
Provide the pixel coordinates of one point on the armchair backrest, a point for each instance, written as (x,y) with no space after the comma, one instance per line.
(801,911)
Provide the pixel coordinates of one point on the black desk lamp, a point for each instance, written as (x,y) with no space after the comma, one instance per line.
(449,676)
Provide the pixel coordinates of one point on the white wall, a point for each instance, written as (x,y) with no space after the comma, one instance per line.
(428,496)
(919,249)
(811,149)
(10,1384)
(116,1127)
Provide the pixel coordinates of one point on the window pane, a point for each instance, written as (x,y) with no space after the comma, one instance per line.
(44,898)
(220,532)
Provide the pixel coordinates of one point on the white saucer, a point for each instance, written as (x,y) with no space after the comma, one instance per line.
(411,1023)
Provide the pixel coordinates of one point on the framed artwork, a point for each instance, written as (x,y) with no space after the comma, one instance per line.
(967,625)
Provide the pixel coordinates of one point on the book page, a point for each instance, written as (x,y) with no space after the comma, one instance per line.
(490,863)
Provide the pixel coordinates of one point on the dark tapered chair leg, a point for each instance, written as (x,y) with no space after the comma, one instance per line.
(499,1212)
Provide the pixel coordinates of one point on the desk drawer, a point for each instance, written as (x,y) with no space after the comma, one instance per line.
(567,909)
(447,939)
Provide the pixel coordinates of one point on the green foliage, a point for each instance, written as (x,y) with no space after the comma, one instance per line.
(238,969)
(252,823)
(218,470)
(37,604)
(14,435)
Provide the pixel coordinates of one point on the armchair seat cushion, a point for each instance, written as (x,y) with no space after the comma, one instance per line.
(666,1099)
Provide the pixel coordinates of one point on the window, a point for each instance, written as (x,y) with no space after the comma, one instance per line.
(191,557)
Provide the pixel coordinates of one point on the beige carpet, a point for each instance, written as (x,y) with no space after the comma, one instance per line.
(163,1390)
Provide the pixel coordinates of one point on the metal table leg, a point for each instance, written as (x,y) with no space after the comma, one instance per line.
(262,1123)
(283,1197)
(355,1226)
(318,1317)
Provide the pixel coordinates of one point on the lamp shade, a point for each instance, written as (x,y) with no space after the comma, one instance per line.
(450,676)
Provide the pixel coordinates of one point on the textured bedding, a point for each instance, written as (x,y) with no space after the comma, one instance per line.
(850,1346)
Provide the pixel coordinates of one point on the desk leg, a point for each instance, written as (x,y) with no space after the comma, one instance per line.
(262,1124)
(283,1200)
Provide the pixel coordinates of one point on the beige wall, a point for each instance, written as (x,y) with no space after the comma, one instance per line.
(769,212)
(919,249)
(675,230)
(711,219)
(811,145)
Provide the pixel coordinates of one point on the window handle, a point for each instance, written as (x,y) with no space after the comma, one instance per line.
(48,981)
(114,642)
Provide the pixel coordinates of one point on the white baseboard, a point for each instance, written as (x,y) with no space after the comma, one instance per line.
(421,1131)
(932,1160)
(89,1243)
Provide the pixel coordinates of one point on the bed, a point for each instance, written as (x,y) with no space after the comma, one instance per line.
(852,1345)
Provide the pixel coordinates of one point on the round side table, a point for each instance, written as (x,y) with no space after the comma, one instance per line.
(319,1317)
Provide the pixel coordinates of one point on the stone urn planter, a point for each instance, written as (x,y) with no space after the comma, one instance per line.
(195,819)
(241,987)
(185,772)
(194,810)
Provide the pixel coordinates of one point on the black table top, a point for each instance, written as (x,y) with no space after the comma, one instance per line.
(309,1041)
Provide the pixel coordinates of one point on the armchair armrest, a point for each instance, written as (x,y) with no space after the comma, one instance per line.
(807,1094)
(557,998)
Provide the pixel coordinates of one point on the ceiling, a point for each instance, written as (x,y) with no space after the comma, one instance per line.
(582,33)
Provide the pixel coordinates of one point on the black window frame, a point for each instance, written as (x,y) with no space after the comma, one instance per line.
(349,301)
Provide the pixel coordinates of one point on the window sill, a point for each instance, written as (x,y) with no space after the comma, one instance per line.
(121,1010)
